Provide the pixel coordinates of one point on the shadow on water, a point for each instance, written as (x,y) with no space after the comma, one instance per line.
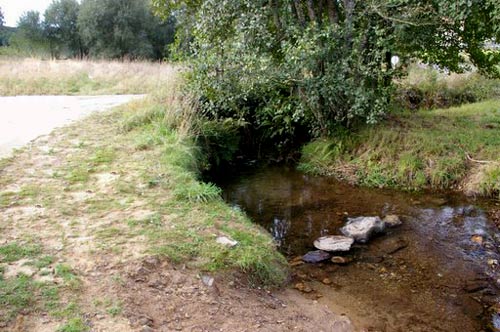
(436,272)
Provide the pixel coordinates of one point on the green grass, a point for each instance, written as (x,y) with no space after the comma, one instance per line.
(193,210)
(417,150)
(14,251)
(22,293)
(74,325)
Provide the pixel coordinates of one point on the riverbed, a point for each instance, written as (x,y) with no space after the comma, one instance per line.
(438,271)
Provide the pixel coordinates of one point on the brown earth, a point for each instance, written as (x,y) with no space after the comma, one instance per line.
(82,224)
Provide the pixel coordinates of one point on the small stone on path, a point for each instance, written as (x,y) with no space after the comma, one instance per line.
(208,280)
(225,241)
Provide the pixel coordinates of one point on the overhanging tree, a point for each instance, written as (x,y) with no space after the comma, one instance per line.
(289,65)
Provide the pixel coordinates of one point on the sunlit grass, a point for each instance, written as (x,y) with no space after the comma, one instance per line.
(455,148)
(73,77)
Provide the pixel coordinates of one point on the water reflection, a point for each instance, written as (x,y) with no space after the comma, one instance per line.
(447,244)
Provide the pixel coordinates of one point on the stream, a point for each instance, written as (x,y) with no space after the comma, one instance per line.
(438,271)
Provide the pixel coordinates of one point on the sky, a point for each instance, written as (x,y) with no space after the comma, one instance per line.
(13,9)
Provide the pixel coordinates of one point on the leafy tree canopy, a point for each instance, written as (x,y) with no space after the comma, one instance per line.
(2,20)
(60,26)
(116,28)
(288,65)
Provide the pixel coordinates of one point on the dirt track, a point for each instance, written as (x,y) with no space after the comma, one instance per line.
(24,118)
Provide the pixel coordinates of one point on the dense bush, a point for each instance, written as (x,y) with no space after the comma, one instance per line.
(295,67)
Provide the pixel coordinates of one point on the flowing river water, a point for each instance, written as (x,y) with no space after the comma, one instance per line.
(436,272)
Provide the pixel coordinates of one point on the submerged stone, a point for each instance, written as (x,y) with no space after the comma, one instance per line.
(334,243)
(361,229)
(341,260)
(392,220)
(316,256)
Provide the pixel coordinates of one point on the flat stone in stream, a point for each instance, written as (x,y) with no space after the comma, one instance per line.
(316,256)
(334,243)
(361,229)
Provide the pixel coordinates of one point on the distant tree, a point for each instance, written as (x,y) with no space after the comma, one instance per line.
(161,33)
(60,27)
(116,28)
(29,36)
(2,19)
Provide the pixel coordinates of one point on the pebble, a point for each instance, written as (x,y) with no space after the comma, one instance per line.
(326,281)
(225,241)
(303,287)
(392,220)
(207,280)
(477,239)
(340,260)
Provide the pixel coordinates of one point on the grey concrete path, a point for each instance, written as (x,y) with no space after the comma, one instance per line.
(24,118)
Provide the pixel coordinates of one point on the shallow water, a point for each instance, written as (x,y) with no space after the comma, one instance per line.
(426,275)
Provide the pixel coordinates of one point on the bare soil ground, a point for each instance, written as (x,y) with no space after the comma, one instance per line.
(77,193)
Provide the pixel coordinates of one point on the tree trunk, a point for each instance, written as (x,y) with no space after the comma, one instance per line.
(300,12)
(348,22)
(274,4)
(333,12)
(310,11)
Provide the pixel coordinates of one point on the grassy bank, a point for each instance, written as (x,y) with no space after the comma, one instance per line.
(425,87)
(455,148)
(111,190)
(162,127)
(72,77)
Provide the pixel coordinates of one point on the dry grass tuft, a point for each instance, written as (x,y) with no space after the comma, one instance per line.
(73,77)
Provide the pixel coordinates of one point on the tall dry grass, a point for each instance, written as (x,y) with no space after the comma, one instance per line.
(73,77)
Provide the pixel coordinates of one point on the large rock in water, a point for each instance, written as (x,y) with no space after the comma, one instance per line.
(362,229)
(334,243)
(316,256)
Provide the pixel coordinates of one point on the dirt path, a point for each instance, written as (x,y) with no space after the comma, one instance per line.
(76,209)
(23,118)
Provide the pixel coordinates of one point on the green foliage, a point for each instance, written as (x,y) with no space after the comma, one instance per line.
(427,87)
(219,140)
(306,66)
(195,191)
(414,151)
(14,251)
(61,30)
(103,29)
(74,325)
(122,29)
(15,295)
(29,37)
